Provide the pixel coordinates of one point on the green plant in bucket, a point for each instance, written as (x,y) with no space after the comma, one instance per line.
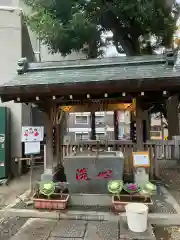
(115,187)
(47,188)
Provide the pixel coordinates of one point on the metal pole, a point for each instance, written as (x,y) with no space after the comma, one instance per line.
(31,174)
(31,156)
(162,127)
(45,164)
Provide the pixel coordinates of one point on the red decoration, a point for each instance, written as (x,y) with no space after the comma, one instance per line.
(26,133)
(81,174)
(36,134)
(105,174)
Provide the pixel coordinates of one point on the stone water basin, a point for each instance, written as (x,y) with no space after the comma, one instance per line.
(90,171)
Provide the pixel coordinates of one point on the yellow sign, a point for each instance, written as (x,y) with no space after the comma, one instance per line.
(66,108)
(141,159)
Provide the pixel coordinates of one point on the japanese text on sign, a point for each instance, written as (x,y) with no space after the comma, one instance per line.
(82,174)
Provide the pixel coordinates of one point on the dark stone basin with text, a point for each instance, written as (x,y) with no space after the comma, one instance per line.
(89,172)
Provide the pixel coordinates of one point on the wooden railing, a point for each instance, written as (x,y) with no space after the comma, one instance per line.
(158,150)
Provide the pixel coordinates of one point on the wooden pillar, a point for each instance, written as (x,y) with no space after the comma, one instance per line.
(49,148)
(93,126)
(133,127)
(162,126)
(58,157)
(139,125)
(49,142)
(173,116)
(116,125)
(146,126)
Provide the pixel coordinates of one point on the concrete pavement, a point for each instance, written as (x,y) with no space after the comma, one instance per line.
(16,187)
(44,229)
(23,224)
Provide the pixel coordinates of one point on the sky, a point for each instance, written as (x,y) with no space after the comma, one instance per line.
(111,51)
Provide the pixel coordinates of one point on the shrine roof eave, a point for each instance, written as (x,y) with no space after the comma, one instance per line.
(98,76)
(27,92)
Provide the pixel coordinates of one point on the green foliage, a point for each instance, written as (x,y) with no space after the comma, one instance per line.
(74,25)
(115,187)
(47,188)
(148,190)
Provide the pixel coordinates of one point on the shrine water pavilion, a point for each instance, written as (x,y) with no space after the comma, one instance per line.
(136,84)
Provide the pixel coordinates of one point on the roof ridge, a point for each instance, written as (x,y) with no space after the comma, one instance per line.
(97,65)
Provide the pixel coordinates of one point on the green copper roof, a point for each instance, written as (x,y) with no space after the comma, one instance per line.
(97,70)
(91,75)
(91,71)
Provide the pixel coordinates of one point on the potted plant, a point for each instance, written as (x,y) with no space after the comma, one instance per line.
(134,194)
(50,195)
(148,190)
(115,187)
(132,189)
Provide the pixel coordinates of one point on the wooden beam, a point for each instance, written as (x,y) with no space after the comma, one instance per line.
(101,87)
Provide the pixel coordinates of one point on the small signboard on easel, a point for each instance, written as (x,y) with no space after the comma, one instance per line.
(32,148)
(141,159)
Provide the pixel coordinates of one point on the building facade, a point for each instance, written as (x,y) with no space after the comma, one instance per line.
(79,126)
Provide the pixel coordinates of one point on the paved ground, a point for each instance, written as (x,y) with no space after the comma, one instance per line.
(42,229)
(17,187)
(16,228)
(171,177)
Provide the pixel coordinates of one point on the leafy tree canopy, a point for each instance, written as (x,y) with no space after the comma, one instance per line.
(74,25)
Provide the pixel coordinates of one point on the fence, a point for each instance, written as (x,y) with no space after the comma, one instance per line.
(158,150)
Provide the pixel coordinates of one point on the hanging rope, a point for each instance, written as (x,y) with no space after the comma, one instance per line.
(56,115)
(104,113)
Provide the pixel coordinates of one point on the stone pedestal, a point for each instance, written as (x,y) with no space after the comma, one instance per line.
(141,177)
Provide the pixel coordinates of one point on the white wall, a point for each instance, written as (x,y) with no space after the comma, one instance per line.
(10,49)
(9,2)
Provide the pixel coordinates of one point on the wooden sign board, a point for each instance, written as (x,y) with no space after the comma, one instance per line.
(141,159)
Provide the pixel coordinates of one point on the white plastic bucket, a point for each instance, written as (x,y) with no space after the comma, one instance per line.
(137,215)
